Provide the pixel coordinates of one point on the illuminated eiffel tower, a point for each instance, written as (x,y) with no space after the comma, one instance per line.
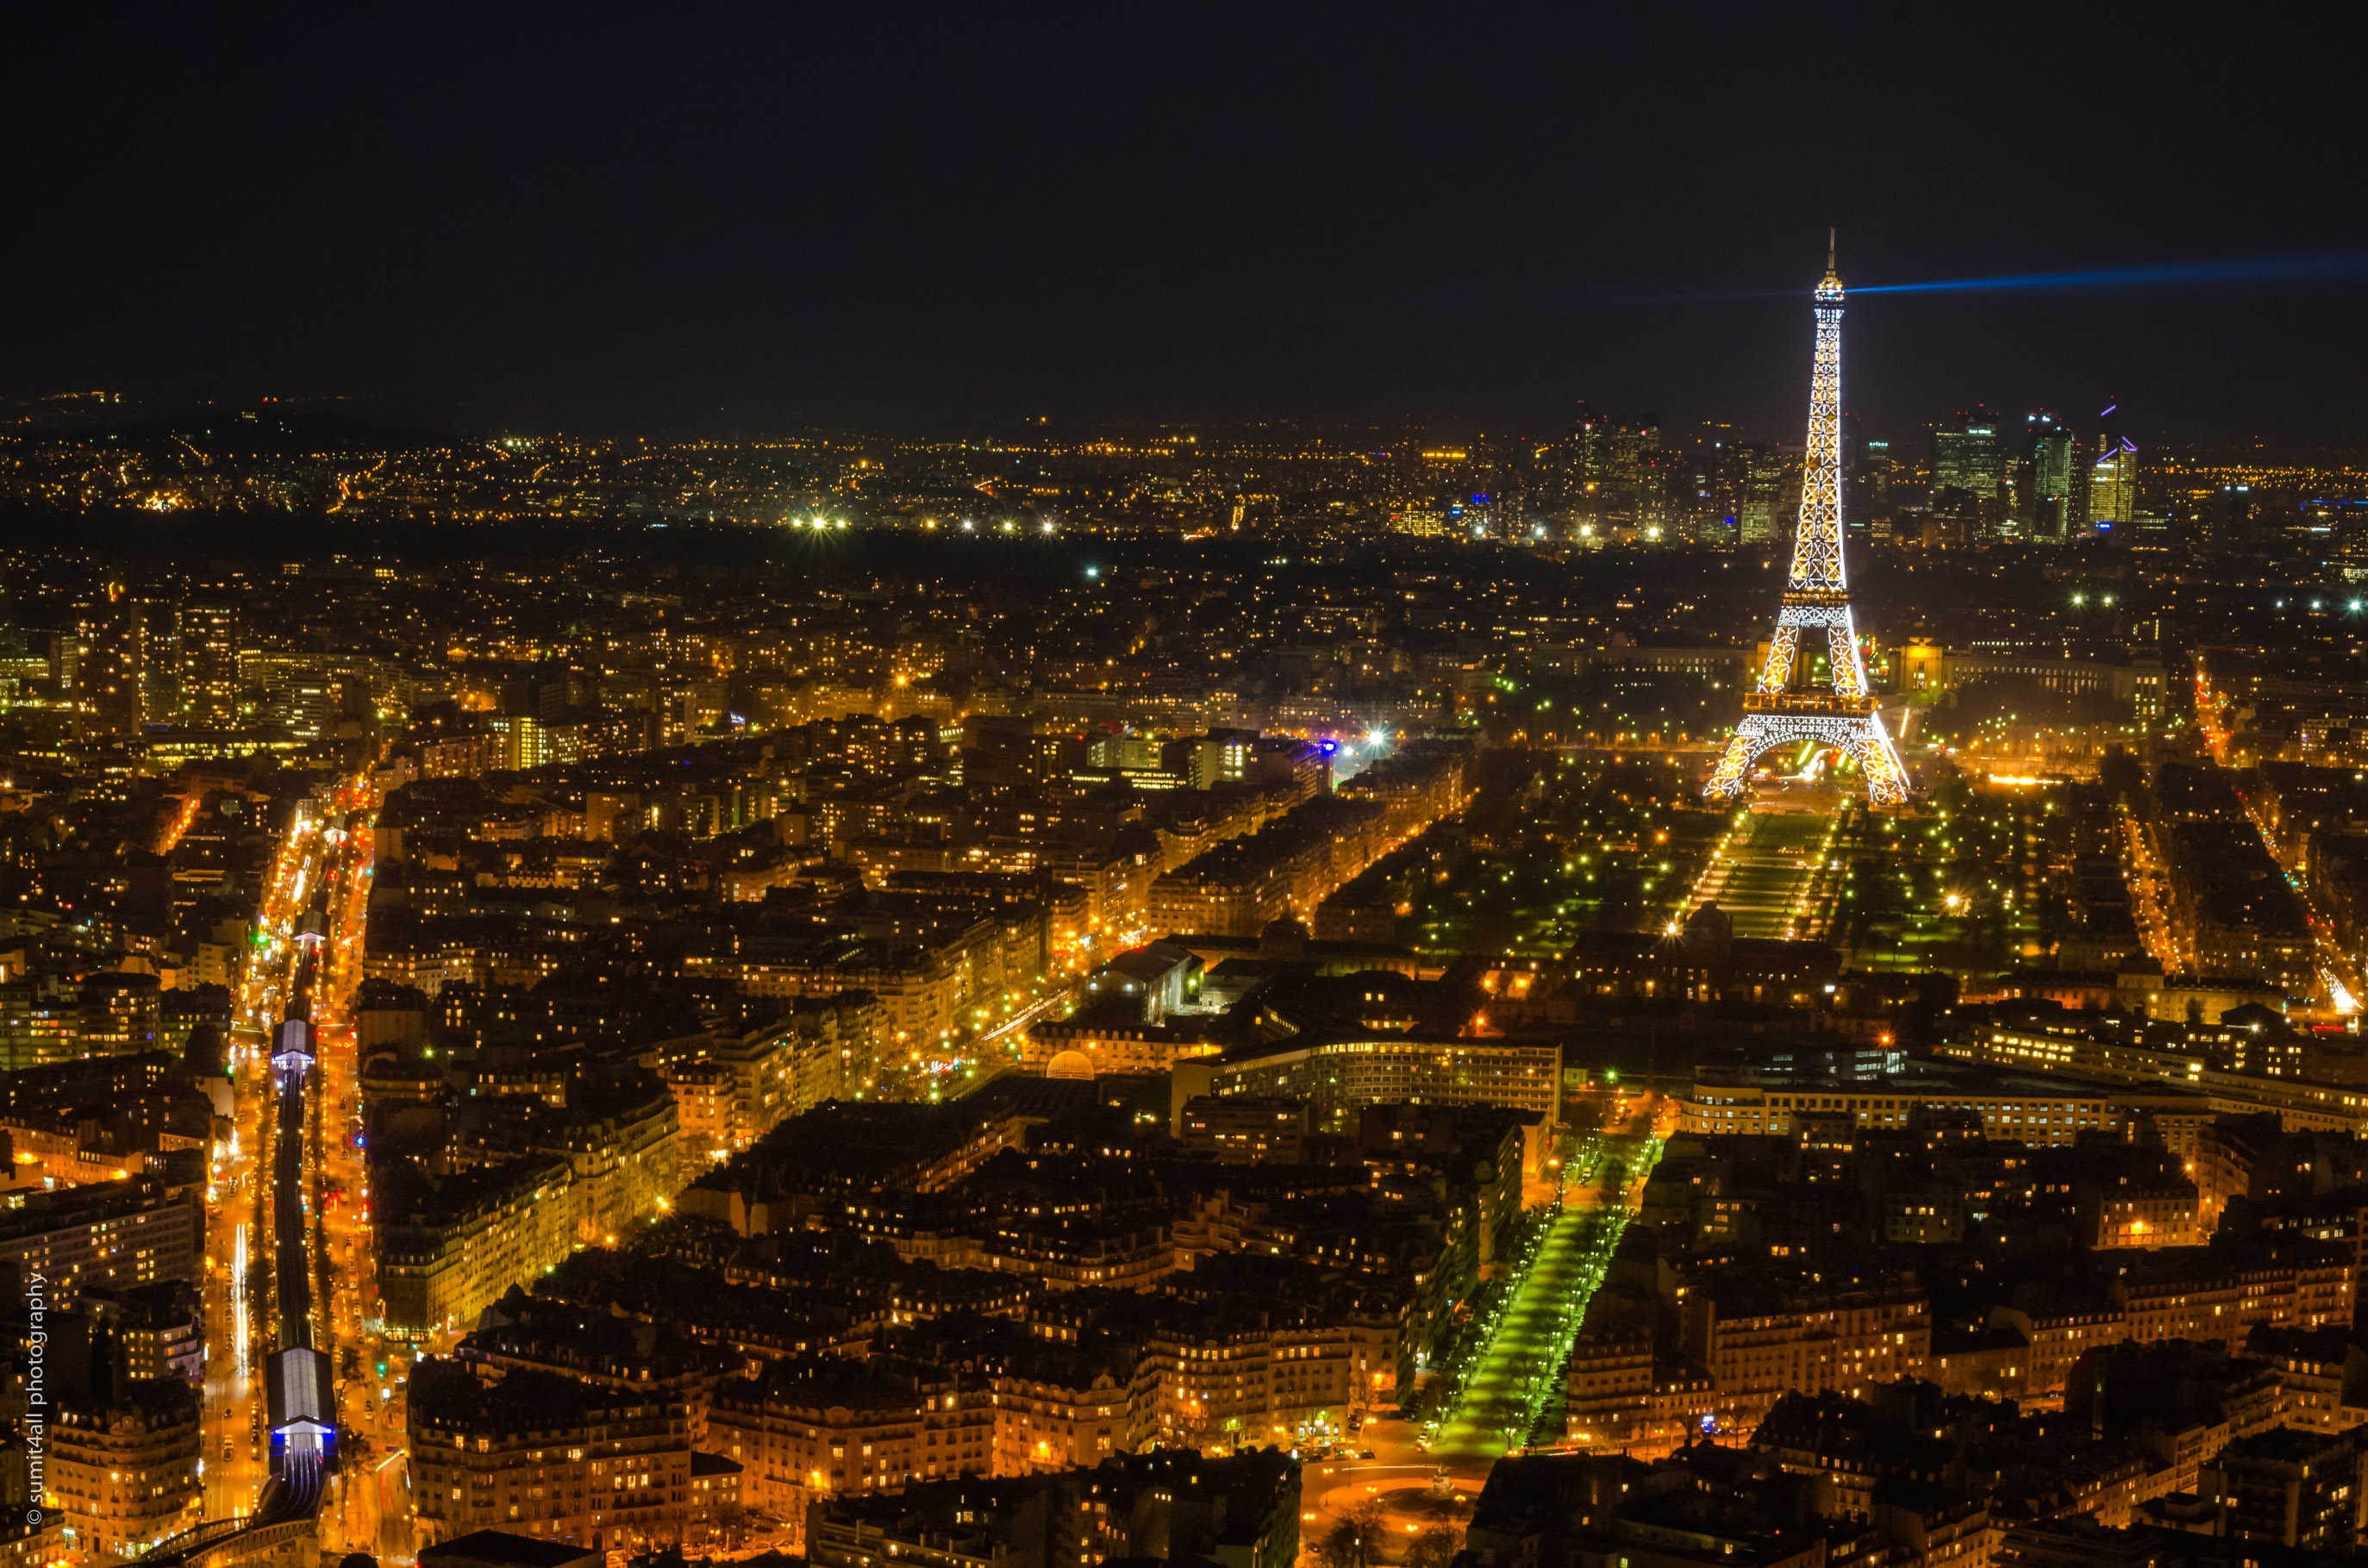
(1816,596)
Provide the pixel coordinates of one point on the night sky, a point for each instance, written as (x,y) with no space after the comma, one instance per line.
(681,219)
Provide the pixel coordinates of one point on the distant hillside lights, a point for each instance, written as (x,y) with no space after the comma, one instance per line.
(1013,527)
(819,525)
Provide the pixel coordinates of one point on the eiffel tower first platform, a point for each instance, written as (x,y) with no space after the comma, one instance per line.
(1816,596)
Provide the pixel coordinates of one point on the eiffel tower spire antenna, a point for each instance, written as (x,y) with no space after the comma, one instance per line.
(1817,594)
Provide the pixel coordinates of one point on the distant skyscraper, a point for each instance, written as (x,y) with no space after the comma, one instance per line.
(1874,486)
(110,657)
(1634,482)
(1700,506)
(1968,457)
(2112,477)
(1760,509)
(2045,489)
(208,634)
(1856,513)
(1571,468)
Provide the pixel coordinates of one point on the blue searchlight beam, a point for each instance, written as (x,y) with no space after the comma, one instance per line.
(2173,274)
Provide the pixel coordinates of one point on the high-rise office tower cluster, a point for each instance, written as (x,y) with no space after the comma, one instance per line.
(2047,481)
(132,662)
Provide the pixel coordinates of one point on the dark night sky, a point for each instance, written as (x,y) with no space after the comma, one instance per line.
(682,218)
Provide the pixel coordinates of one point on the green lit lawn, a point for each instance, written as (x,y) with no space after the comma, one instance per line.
(1599,847)
(1515,1372)
(1947,888)
(1769,866)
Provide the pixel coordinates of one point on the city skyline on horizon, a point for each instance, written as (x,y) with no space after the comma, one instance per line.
(439,416)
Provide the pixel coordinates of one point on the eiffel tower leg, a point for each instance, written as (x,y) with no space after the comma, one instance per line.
(1878,763)
(1777,673)
(1841,656)
(1727,779)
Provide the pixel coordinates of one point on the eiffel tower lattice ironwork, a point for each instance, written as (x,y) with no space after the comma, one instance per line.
(1816,596)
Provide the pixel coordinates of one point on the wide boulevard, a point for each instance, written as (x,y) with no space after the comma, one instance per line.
(317,881)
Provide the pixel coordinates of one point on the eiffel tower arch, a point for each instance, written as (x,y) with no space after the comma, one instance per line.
(1816,598)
